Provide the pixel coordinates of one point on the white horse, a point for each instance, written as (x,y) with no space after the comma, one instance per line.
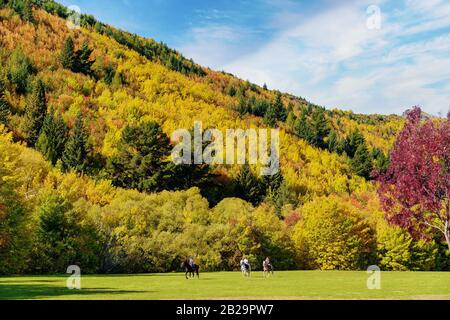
(245,268)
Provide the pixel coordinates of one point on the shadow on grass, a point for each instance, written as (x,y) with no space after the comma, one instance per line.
(14,291)
(13,281)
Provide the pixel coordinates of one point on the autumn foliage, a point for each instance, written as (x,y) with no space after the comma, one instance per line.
(415,188)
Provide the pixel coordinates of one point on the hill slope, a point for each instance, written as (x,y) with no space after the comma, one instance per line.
(117,85)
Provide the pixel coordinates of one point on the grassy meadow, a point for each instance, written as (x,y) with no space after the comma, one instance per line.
(291,285)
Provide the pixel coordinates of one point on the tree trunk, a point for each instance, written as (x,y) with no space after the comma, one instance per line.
(447,237)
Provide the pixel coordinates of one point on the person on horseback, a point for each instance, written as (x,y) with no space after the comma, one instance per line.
(267,266)
(245,267)
(191,262)
(266,263)
(246,264)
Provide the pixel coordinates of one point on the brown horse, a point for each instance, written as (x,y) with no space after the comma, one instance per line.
(191,270)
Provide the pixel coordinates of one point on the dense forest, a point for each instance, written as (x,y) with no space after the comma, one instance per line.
(86,116)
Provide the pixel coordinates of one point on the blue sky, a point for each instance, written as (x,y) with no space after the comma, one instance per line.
(321,50)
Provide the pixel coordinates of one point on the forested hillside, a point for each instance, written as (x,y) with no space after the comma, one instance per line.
(85,174)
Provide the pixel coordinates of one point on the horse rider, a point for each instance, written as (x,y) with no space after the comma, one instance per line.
(266,264)
(191,262)
(245,264)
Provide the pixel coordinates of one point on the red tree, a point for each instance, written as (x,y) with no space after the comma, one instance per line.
(414,191)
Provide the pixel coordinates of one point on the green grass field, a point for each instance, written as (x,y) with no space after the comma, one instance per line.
(229,286)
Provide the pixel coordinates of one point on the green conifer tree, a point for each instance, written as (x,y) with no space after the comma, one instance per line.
(320,128)
(68,57)
(303,129)
(352,142)
(361,163)
(53,137)
(4,106)
(76,152)
(83,62)
(248,187)
(35,112)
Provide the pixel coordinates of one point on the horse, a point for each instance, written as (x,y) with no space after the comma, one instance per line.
(191,270)
(246,269)
(267,270)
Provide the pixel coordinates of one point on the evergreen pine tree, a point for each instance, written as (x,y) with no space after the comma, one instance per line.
(53,137)
(4,107)
(68,57)
(35,112)
(19,71)
(141,160)
(302,128)
(260,108)
(83,62)
(361,163)
(242,107)
(280,110)
(231,90)
(321,129)
(76,152)
(248,186)
(265,86)
(333,141)
(290,120)
(270,117)
(381,161)
(352,142)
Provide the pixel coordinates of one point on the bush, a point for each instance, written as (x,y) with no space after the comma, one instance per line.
(332,235)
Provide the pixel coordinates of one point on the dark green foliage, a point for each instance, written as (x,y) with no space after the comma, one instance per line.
(333,142)
(77,151)
(140,163)
(260,107)
(76,61)
(109,73)
(19,71)
(303,129)
(270,118)
(265,86)
(361,163)
(242,107)
(320,129)
(381,162)
(68,57)
(273,182)
(352,142)
(248,187)
(35,112)
(52,7)
(231,90)
(4,106)
(275,112)
(53,137)
(83,64)
(279,108)
(23,8)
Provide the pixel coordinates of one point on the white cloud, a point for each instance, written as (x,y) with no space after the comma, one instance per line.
(333,59)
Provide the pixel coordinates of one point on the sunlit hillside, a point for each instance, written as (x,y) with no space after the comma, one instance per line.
(120,222)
